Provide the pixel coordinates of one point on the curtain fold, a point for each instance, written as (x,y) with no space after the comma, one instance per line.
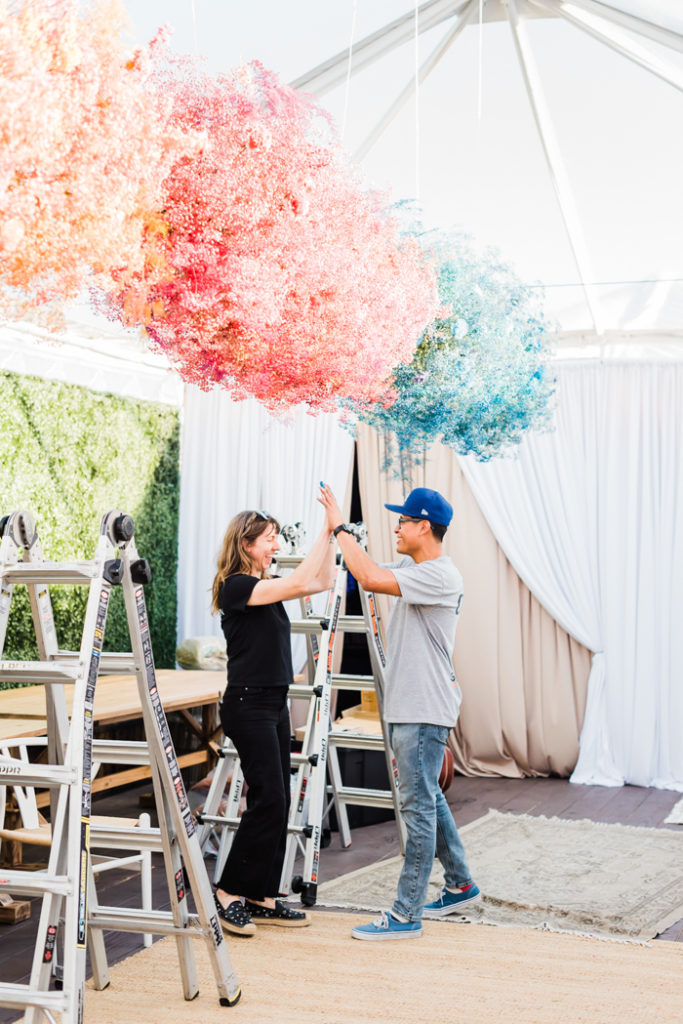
(591,516)
(523,678)
(236,456)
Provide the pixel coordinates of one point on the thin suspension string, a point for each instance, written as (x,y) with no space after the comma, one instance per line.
(194,29)
(417,100)
(480,83)
(347,93)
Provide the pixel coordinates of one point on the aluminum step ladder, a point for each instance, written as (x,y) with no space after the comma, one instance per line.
(71,915)
(312,794)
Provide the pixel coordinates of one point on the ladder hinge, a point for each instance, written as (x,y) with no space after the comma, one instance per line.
(113,571)
(140,571)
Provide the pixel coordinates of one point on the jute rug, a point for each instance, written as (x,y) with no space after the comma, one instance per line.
(320,975)
(604,880)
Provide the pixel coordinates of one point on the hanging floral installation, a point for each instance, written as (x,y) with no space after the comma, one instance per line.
(480,376)
(85,142)
(270,270)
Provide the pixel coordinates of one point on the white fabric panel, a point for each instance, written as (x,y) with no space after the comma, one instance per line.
(591,517)
(236,456)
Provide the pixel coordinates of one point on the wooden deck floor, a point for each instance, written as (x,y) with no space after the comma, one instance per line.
(469,798)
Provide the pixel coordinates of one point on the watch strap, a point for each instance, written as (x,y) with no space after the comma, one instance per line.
(342,528)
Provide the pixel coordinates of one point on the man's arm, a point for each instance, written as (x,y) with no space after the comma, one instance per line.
(367,572)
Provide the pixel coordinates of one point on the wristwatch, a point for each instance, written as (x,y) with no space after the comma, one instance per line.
(342,528)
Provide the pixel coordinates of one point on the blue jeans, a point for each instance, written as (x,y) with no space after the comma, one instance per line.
(419,751)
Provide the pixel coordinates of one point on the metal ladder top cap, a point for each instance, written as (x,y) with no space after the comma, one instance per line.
(119,526)
(21,526)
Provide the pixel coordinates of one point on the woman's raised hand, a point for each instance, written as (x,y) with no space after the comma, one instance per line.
(329,503)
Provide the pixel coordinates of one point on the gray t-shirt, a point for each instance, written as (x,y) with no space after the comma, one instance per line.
(420,682)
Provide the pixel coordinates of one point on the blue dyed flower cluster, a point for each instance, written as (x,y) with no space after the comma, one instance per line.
(480,375)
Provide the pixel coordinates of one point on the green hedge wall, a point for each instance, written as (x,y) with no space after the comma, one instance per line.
(68,455)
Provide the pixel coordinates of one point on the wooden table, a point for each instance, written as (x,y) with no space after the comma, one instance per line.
(22,712)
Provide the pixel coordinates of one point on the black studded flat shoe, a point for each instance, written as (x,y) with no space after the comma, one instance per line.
(235,918)
(280,914)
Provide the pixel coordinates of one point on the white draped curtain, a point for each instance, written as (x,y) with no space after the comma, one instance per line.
(591,517)
(236,456)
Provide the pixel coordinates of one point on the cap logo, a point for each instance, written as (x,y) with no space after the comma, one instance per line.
(425,512)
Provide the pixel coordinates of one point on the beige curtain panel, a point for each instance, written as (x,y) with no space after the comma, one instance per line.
(523,677)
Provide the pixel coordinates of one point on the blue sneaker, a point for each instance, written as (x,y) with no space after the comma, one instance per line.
(386,926)
(450,902)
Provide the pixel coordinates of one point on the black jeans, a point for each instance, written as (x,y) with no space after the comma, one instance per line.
(256,719)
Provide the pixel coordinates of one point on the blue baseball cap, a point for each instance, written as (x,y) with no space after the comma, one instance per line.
(422,503)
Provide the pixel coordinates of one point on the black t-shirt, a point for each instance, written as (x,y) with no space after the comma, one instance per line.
(258,636)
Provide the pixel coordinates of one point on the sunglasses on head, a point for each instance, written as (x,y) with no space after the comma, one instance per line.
(261,514)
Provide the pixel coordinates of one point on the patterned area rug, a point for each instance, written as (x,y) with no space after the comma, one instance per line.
(611,881)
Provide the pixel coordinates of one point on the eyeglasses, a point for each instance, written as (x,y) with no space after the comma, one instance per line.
(409,519)
(261,514)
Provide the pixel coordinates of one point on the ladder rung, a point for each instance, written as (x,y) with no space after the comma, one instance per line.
(352,624)
(110,663)
(288,561)
(49,572)
(16,997)
(299,690)
(314,624)
(119,837)
(160,922)
(120,752)
(217,819)
(349,682)
(14,772)
(357,740)
(364,797)
(35,883)
(38,672)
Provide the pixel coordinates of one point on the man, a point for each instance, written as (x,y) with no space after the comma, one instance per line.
(421,702)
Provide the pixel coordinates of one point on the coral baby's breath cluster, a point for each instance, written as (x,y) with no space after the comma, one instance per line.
(85,142)
(271,271)
(480,375)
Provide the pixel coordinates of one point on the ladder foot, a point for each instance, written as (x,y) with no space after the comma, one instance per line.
(231,1000)
(307,890)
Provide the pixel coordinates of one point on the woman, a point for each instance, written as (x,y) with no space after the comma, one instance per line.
(254,711)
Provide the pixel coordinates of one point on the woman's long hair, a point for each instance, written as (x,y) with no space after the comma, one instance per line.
(242,529)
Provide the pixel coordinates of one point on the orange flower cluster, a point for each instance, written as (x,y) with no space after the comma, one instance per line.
(85,142)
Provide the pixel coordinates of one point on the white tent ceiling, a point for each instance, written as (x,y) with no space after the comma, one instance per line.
(592,199)
(547,128)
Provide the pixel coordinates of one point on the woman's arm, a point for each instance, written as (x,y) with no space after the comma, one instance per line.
(314,574)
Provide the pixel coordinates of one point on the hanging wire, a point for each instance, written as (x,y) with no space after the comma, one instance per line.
(348,68)
(417,100)
(194,29)
(480,82)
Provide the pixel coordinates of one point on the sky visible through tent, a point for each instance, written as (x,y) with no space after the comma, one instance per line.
(618,128)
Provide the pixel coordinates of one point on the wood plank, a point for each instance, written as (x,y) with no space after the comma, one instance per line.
(11,727)
(116,697)
(655,808)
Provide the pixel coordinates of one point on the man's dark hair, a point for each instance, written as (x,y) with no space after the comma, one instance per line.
(438,530)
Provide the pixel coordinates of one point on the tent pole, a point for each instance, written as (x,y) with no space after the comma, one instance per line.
(333,71)
(638,54)
(641,26)
(427,67)
(555,162)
